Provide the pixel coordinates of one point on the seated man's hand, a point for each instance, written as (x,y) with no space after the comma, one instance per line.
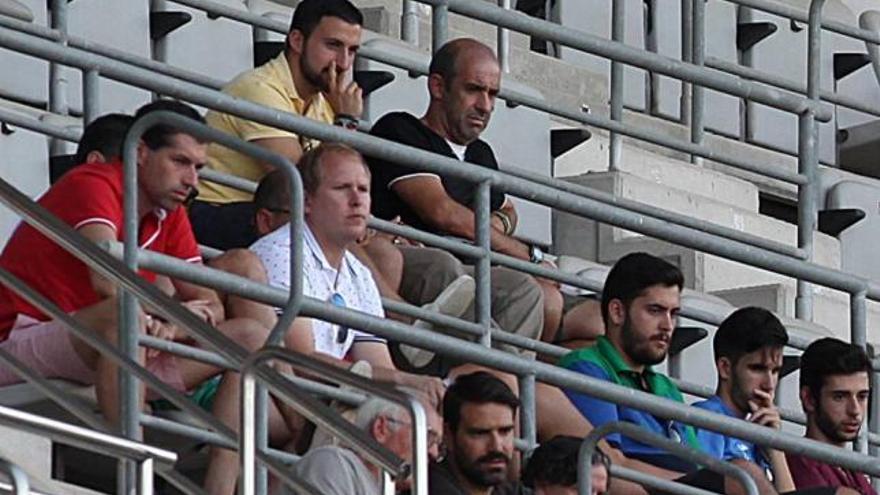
(764,412)
(202,309)
(346,99)
(432,386)
(161,329)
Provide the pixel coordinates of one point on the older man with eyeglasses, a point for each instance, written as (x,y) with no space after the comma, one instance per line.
(337,205)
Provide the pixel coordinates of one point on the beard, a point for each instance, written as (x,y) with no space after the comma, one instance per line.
(638,347)
(481,476)
(739,396)
(316,78)
(831,429)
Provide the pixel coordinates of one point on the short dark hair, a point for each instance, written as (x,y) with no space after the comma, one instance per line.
(309,13)
(158,136)
(479,387)
(309,164)
(634,273)
(748,330)
(829,356)
(444,62)
(105,134)
(273,191)
(555,462)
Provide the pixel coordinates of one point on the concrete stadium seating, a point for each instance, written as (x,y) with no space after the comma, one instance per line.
(25,78)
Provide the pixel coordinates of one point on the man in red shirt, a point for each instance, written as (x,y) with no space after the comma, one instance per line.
(89,199)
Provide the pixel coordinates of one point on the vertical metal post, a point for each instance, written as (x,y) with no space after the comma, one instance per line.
(439,25)
(808,160)
(698,93)
(261,435)
(57,79)
(527,420)
(615,144)
(858,336)
(483,299)
(504,42)
(409,22)
(91,79)
(387,484)
(247,438)
(687,35)
(874,420)
(129,327)
(145,477)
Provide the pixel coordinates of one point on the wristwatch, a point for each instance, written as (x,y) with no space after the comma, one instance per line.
(535,254)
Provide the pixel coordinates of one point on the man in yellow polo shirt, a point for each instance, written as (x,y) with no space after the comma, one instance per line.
(312,77)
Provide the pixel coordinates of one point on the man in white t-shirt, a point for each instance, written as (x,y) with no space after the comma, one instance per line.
(337,205)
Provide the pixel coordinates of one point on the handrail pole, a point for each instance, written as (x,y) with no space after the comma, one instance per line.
(145,477)
(91,94)
(615,141)
(698,92)
(439,25)
(308,406)
(503,42)
(129,308)
(409,22)
(296,230)
(528,414)
(18,478)
(588,447)
(57,80)
(808,159)
(687,55)
(858,331)
(483,268)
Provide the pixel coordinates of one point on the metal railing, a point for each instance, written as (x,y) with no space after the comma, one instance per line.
(688,237)
(588,447)
(18,481)
(391,465)
(146,457)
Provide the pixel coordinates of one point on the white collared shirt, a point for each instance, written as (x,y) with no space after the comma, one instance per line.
(355,284)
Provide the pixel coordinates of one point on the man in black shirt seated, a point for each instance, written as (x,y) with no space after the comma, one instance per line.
(464,78)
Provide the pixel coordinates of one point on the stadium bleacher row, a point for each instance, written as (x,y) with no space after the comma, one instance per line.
(596,216)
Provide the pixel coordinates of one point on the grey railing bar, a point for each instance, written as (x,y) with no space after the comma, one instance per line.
(85,438)
(668,215)
(783,10)
(532,102)
(18,480)
(588,446)
(789,84)
(575,39)
(594,120)
(106,51)
(665,486)
(228,180)
(501,360)
(659,64)
(13,118)
(377,454)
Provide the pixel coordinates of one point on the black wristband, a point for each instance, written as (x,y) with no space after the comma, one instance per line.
(346,121)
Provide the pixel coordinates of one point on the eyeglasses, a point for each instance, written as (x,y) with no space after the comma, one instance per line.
(337,300)
(433,436)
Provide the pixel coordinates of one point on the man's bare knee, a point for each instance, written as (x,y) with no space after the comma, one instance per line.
(248,333)
(242,262)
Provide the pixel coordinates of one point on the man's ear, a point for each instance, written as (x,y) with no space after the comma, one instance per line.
(436,86)
(725,368)
(295,41)
(807,400)
(380,429)
(263,221)
(95,156)
(143,152)
(616,312)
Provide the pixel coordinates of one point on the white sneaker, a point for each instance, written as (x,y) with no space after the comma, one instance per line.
(455,299)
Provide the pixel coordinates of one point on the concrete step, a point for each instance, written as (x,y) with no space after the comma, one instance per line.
(591,240)
(592,156)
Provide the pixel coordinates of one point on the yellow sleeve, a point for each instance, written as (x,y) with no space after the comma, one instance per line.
(262,93)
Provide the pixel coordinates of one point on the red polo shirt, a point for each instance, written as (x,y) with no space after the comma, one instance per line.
(88,194)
